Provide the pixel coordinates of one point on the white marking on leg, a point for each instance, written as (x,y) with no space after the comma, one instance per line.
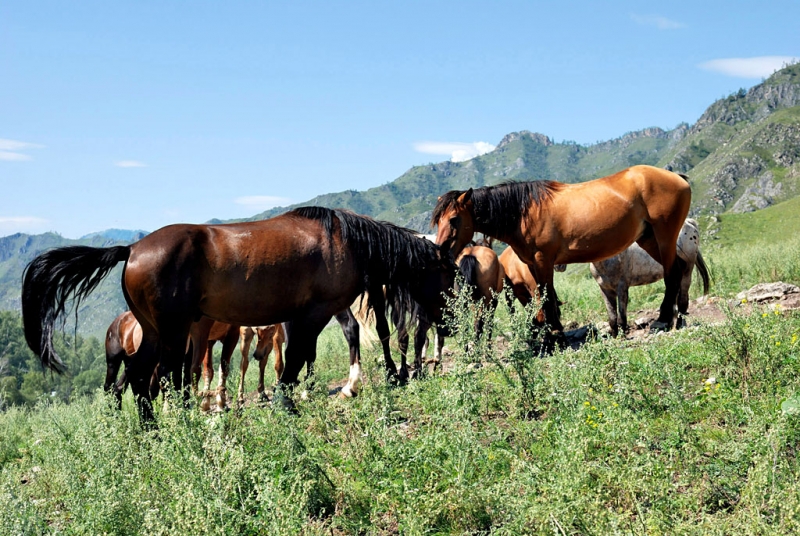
(351,389)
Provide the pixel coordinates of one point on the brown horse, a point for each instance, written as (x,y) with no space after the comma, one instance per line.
(301,267)
(211,331)
(269,337)
(520,280)
(124,336)
(549,223)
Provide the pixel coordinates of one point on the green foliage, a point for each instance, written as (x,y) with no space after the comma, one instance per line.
(22,380)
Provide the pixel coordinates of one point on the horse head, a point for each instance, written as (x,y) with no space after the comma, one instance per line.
(455,218)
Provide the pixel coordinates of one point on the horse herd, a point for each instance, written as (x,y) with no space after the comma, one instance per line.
(188,286)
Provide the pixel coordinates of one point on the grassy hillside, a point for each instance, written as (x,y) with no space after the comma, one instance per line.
(692,432)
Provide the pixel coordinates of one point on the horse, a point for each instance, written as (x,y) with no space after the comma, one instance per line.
(301,267)
(635,267)
(268,338)
(124,336)
(548,223)
(481,270)
(520,280)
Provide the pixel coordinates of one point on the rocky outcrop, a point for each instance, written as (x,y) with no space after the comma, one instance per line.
(534,136)
(759,195)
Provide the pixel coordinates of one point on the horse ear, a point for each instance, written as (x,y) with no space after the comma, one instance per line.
(466,197)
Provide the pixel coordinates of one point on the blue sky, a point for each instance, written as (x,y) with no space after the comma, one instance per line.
(140,114)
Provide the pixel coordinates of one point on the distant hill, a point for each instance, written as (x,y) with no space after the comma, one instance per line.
(123,235)
(742,155)
(96,312)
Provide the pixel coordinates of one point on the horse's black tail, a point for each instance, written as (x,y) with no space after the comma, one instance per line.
(50,280)
(468,266)
(700,264)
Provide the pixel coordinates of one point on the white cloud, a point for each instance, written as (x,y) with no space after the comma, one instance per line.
(11,150)
(262,202)
(17,224)
(662,23)
(9,156)
(757,67)
(130,164)
(458,151)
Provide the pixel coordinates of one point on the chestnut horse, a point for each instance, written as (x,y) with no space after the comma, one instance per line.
(301,267)
(521,281)
(268,338)
(549,223)
(124,336)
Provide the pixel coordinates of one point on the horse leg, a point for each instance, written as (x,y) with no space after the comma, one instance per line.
(277,345)
(683,296)
(244,348)
(228,346)
(438,346)
(351,330)
(420,346)
(402,342)
(207,360)
(382,327)
(139,373)
(660,244)
(622,298)
(301,348)
(610,299)
(262,367)
(543,273)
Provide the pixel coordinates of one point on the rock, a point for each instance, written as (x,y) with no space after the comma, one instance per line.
(641,322)
(768,291)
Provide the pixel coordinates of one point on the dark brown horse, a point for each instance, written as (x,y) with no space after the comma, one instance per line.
(301,267)
(549,223)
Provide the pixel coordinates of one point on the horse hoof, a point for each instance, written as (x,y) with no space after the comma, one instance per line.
(205,405)
(281,401)
(657,326)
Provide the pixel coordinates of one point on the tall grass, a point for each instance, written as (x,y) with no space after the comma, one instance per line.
(690,432)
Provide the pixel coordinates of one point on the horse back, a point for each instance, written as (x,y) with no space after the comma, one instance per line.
(253,273)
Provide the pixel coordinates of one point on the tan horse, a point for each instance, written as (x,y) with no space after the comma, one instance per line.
(549,223)
(521,281)
(268,338)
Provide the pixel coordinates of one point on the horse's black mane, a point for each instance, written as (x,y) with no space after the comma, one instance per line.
(385,254)
(498,209)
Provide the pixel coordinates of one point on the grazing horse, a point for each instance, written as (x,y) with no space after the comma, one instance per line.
(549,223)
(269,337)
(301,267)
(482,271)
(520,280)
(634,267)
(211,331)
(124,336)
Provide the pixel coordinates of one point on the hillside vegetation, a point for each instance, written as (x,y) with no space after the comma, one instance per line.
(692,432)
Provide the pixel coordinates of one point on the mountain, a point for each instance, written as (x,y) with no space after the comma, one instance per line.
(123,235)
(742,155)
